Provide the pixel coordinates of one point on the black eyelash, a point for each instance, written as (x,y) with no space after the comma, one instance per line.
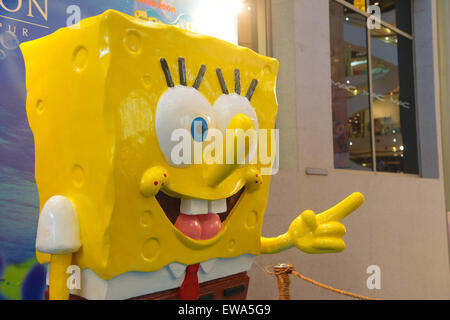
(251,89)
(237,81)
(223,85)
(167,72)
(201,74)
(199,78)
(182,70)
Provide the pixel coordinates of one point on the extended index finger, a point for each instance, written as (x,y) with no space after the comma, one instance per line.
(342,209)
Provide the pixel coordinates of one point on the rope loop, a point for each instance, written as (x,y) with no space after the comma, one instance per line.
(282,272)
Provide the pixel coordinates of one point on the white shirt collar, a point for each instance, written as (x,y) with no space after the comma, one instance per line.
(177,269)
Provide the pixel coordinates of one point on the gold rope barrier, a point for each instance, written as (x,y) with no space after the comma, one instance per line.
(282,272)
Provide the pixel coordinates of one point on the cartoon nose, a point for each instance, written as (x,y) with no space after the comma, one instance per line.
(232,157)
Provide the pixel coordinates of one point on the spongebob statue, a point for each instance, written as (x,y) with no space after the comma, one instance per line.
(104,99)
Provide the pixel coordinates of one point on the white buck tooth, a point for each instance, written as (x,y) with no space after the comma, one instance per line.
(194,206)
(217,206)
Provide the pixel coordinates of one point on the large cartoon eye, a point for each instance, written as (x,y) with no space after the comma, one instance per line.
(183,115)
(184,109)
(229,105)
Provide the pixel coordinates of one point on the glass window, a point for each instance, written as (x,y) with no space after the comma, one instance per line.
(350,89)
(247,25)
(253,25)
(393,102)
(373,103)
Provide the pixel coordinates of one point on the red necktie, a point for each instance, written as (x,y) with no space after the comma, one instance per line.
(190,290)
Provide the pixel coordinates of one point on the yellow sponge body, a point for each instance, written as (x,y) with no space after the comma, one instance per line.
(92,92)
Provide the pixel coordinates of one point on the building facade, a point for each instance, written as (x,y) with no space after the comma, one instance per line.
(361,109)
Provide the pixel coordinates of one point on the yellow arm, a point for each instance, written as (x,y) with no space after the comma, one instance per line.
(311,233)
(58,289)
(275,244)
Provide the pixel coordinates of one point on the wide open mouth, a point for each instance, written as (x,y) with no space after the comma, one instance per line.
(196,226)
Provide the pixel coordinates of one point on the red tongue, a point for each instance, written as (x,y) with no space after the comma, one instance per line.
(199,227)
(211,225)
(189,225)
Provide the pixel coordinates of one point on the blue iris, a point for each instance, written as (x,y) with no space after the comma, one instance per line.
(199,129)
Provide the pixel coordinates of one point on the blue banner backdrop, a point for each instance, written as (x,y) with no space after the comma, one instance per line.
(21,277)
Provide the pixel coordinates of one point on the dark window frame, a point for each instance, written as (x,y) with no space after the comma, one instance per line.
(413,166)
